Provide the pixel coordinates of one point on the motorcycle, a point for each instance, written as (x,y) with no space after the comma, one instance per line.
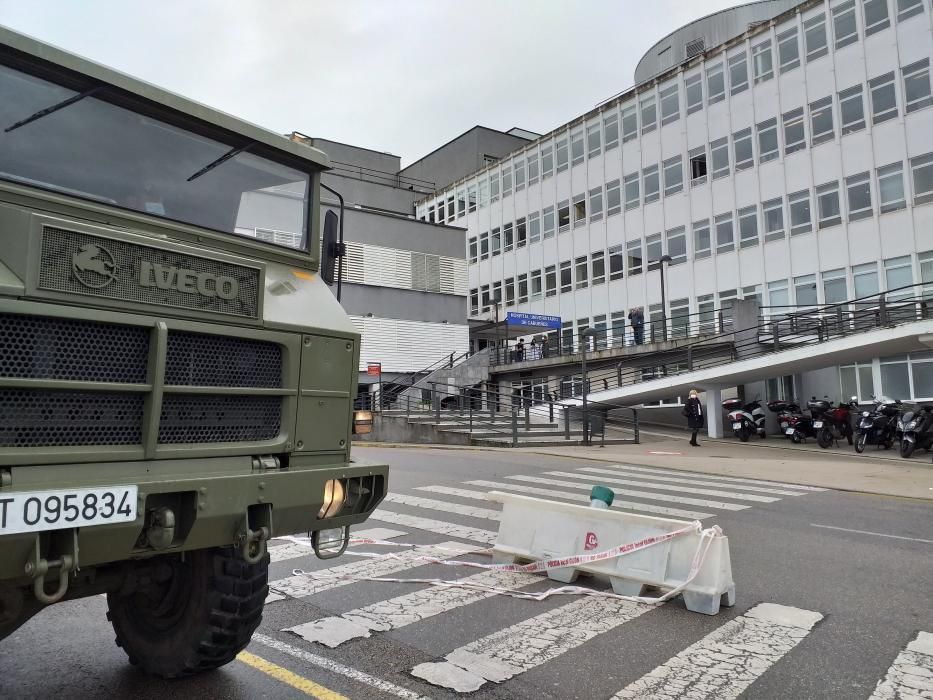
(878,426)
(915,429)
(794,424)
(832,422)
(746,419)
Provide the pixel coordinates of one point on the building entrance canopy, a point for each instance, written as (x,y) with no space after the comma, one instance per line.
(514,325)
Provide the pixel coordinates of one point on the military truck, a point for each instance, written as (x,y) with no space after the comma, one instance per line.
(175,375)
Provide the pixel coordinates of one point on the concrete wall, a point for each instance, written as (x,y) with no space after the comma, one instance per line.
(820,383)
(398,429)
(386,302)
(370,194)
(355,155)
(402,233)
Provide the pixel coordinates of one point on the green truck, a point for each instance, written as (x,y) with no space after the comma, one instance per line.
(176,377)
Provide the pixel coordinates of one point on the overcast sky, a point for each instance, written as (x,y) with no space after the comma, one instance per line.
(402,76)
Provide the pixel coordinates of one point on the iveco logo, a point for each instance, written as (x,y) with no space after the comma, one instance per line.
(187,281)
(94,266)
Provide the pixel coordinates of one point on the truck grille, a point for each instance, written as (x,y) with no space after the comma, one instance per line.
(65,350)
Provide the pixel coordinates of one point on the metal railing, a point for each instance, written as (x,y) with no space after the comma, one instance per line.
(409,380)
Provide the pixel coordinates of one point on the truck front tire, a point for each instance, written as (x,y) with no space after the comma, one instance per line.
(184,615)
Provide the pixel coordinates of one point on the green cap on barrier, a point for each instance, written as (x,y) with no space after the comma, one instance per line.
(602,493)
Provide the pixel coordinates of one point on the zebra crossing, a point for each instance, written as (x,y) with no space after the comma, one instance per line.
(721,664)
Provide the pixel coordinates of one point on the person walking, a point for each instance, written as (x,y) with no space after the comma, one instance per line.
(693,410)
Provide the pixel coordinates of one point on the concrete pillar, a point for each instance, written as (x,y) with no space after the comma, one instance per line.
(714,412)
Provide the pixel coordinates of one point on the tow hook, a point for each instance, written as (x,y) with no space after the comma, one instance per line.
(252,542)
(38,567)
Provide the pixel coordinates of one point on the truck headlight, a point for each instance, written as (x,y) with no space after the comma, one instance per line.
(334,498)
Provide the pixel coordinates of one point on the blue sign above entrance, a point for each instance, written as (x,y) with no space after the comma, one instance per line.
(514,318)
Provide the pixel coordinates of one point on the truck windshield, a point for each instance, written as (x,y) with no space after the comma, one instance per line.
(95,150)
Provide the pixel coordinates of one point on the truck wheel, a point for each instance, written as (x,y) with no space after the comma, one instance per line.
(193,615)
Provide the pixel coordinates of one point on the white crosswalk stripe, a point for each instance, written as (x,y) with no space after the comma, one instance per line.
(582,499)
(291,550)
(439,527)
(728,660)
(716,477)
(663,487)
(911,674)
(443,506)
(623,471)
(650,495)
(407,609)
(452,491)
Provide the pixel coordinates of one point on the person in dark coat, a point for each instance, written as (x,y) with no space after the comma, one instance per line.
(693,410)
(636,318)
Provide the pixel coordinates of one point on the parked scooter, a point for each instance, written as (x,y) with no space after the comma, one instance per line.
(915,430)
(878,426)
(746,420)
(794,423)
(832,422)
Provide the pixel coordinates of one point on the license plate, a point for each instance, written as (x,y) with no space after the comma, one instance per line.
(818,424)
(789,431)
(53,510)
(736,426)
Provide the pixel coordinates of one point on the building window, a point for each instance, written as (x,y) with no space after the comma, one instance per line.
(694,87)
(629,122)
(596,204)
(496,239)
(534,227)
(898,277)
(814,33)
(883,98)
(908,376)
(725,240)
(701,239)
(510,291)
(673,176)
(908,8)
(876,16)
(719,154)
(768,148)
(805,290)
(431,218)
(649,114)
(891,187)
(652,184)
(484,295)
(483,197)
(715,84)
(670,105)
(519,174)
(593,140)
(827,200)
(611,130)
(440,211)
(851,110)
(834,286)
(845,30)
(788,50)
(550,281)
(532,163)
(865,279)
(562,157)
(697,164)
(599,268)
(566,276)
(926,273)
(616,262)
(471,198)
(778,296)
(631,191)
(677,245)
(738,74)
(579,210)
(633,257)
(772,212)
(917,85)
(535,285)
(563,216)
(613,198)
(497,292)
(576,148)
(653,251)
(795,137)
(521,233)
(507,238)
(474,301)
(547,161)
(748,227)
(523,289)
(742,149)
(762,61)
(506,181)
(484,246)
(472,249)
(461,203)
(547,220)
(921,169)
(493,188)
(858,194)
(821,120)
(582,271)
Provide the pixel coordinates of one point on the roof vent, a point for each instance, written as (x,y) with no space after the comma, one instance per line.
(695,47)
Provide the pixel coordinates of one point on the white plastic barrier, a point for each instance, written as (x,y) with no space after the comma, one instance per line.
(533,529)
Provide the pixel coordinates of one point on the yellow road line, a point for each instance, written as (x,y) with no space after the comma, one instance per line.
(297,682)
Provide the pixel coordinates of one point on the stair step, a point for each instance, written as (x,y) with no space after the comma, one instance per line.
(535,442)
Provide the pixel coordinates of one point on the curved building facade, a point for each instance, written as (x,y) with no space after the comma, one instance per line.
(792,163)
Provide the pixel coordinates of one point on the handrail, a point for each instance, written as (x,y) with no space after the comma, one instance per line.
(447,361)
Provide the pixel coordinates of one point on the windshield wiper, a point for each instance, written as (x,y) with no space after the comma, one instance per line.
(54,108)
(232,153)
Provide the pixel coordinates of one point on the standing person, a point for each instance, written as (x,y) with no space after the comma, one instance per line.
(533,349)
(693,410)
(520,350)
(637,318)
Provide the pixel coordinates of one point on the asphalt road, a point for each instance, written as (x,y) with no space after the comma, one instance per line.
(864,563)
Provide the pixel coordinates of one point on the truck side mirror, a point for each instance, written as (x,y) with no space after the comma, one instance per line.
(330,249)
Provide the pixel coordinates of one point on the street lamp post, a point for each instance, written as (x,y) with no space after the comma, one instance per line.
(585,337)
(664,259)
